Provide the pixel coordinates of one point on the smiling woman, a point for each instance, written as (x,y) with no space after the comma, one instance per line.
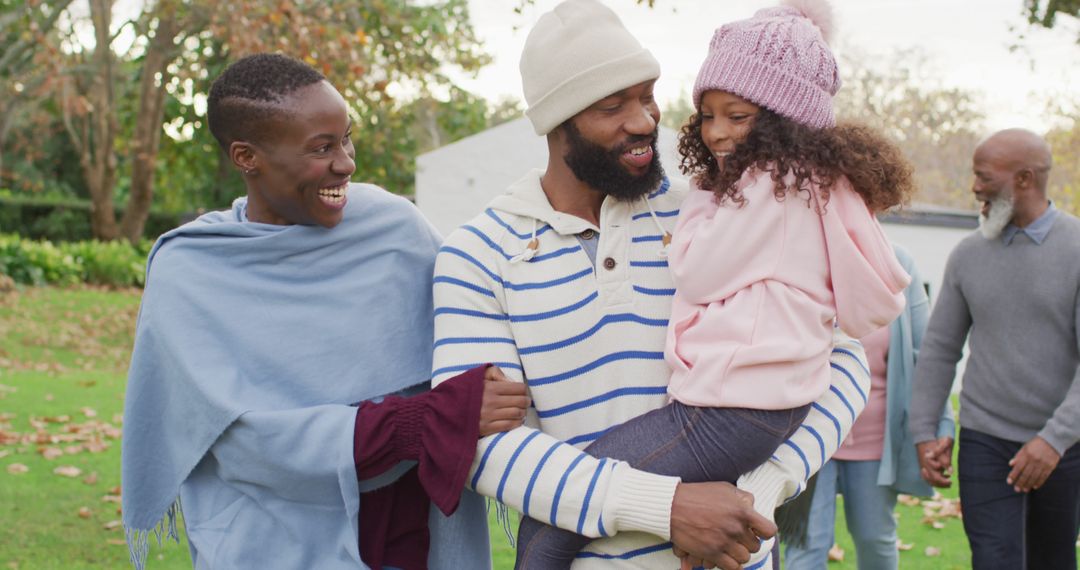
(273,347)
(294,149)
(300,172)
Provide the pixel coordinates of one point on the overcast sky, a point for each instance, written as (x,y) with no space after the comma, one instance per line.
(966,40)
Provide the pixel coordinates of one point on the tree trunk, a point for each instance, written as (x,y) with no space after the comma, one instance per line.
(95,143)
(146,141)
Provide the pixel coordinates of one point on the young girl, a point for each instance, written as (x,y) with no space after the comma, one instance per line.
(776,246)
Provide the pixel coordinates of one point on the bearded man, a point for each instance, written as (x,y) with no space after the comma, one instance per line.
(1012,290)
(563,282)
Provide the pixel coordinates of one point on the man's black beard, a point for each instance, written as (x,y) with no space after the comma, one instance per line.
(602,169)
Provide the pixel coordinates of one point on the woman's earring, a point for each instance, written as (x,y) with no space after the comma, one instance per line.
(249,171)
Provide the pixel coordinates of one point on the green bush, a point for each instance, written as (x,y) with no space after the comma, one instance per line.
(115,263)
(15,262)
(30,262)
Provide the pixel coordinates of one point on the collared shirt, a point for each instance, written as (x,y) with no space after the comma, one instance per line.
(590,241)
(1036,230)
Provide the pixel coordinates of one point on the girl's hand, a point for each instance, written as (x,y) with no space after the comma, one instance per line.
(504,404)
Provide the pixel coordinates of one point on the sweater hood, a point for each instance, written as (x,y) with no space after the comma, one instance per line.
(526,198)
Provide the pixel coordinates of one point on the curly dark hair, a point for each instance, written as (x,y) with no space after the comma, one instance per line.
(876,168)
(249,91)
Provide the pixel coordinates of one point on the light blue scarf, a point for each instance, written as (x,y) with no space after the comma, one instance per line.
(273,330)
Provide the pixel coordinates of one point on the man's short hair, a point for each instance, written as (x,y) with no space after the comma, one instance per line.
(249,91)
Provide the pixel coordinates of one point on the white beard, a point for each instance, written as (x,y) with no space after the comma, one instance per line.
(1001,213)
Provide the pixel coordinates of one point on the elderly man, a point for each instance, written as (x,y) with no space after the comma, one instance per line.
(563,282)
(1013,290)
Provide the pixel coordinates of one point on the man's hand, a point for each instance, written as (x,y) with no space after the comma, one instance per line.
(688,561)
(716,522)
(1032,465)
(935,461)
(504,405)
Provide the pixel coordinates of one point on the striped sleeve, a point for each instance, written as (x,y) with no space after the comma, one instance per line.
(830,419)
(540,476)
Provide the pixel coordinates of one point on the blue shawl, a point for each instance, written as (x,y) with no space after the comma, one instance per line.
(251,342)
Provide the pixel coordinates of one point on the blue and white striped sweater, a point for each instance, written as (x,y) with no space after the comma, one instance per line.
(590,341)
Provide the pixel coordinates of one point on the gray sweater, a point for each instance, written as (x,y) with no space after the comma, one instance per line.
(1021,304)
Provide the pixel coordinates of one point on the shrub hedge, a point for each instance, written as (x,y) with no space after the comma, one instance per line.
(39,262)
(65,221)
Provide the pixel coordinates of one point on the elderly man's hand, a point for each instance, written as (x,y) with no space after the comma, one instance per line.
(717,522)
(1032,465)
(935,461)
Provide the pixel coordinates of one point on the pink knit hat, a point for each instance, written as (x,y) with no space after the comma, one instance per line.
(779,59)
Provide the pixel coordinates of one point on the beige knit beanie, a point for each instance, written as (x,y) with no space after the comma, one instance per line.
(575,55)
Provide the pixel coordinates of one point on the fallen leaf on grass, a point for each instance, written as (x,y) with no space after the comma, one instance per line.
(48,397)
(932,551)
(44,438)
(96,446)
(89,412)
(903,546)
(84,513)
(115,490)
(67,471)
(17,468)
(112,525)
(934,512)
(50,453)
(4,453)
(111,498)
(73,449)
(116,542)
(91,479)
(908,500)
(836,554)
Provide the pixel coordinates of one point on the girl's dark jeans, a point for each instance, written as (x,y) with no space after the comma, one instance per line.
(694,443)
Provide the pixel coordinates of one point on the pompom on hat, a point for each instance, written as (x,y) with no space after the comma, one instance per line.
(575,55)
(778,59)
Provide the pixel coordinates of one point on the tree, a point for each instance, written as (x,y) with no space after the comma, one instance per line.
(1045,12)
(24,27)
(1064,142)
(114,103)
(936,127)
(87,90)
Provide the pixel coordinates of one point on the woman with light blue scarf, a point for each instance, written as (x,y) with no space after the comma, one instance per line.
(877,461)
(267,339)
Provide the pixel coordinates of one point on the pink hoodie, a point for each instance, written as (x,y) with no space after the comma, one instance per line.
(758,288)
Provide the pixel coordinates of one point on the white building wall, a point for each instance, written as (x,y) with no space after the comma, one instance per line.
(930,246)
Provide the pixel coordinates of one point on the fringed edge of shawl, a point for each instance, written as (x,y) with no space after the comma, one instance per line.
(502,515)
(138,540)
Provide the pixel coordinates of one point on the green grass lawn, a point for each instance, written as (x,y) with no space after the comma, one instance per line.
(63,356)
